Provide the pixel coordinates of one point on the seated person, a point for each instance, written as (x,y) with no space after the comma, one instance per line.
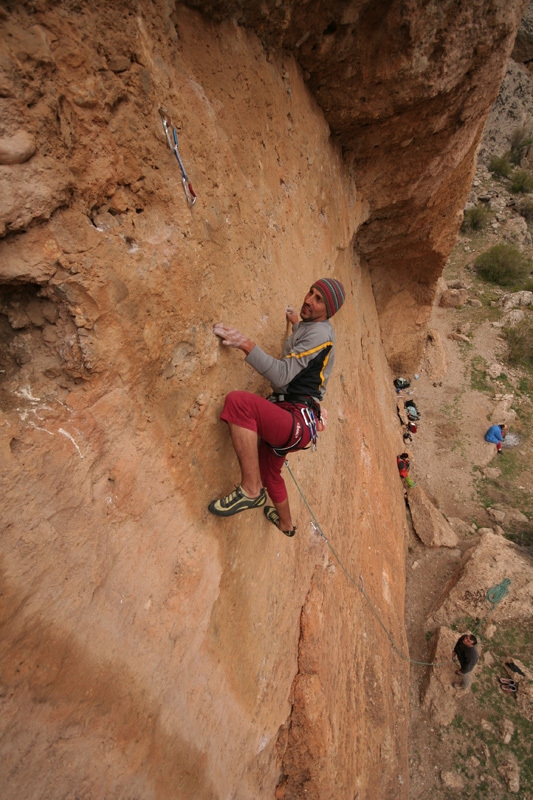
(496,434)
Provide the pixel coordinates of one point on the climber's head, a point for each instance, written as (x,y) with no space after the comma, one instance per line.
(323,300)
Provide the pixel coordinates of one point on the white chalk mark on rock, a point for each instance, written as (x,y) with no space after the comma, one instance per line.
(60,430)
(26,393)
(37,428)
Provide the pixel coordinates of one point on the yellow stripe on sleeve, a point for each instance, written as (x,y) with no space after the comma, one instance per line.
(310,352)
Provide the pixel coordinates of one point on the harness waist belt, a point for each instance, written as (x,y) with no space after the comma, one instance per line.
(305,399)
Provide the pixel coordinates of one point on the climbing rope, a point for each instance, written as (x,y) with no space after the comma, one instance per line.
(498,591)
(172,142)
(494,596)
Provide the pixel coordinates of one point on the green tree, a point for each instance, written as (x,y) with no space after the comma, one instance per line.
(520,142)
(525,208)
(522,181)
(503,264)
(520,343)
(500,166)
(475,219)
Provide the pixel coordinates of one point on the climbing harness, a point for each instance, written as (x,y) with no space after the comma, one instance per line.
(172,142)
(293,442)
(498,592)
(306,406)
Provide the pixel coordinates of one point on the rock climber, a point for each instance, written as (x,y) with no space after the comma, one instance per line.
(496,434)
(467,654)
(264,430)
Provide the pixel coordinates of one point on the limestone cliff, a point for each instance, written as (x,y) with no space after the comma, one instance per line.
(148,649)
(405,88)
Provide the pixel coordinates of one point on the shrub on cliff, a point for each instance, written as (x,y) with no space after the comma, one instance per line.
(525,208)
(520,143)
(520,343)
(522,181)
(503,264)
(500,166)
(475,219)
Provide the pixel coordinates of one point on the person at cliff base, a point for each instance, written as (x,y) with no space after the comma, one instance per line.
(264,430)
(403,467)
(496,434)
(467,654)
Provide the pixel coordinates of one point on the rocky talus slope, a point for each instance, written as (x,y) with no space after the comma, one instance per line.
(479,543)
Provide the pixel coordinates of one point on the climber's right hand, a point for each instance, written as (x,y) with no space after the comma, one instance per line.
(232,337)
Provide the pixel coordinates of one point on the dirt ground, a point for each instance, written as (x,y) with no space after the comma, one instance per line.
(447,454)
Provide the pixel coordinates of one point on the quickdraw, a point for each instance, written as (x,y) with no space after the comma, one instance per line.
(172,141)
(309,418)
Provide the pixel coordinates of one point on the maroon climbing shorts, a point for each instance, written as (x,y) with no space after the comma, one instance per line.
(273,423)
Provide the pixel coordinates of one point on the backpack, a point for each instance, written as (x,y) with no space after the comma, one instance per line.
(412,410)
(402,383)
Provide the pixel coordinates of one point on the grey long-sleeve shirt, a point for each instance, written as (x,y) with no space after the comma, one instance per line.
(468,656)
(306,364)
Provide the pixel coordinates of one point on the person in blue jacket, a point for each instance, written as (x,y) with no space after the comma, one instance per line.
(496,434)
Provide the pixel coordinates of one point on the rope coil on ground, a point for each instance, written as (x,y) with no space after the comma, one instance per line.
(494,596)
(498,592)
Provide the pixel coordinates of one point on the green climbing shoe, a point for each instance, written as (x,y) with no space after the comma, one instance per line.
(272,516)
(236,501)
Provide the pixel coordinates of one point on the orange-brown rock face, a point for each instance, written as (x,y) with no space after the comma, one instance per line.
(405,88)
(149,649)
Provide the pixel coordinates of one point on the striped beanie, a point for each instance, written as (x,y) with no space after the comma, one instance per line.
(333,293)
